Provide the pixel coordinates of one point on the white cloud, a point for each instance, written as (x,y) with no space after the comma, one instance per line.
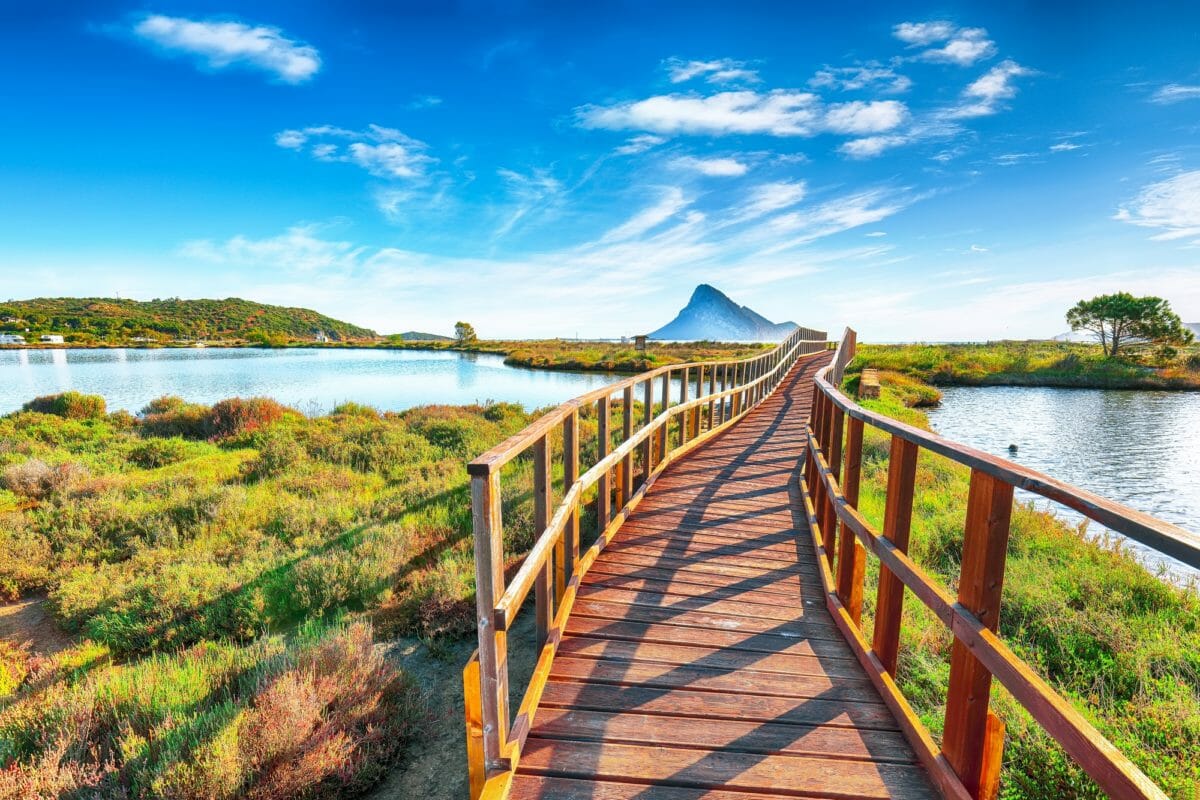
(639,144)
(670,204)
(779,113)
(299,249)
(963,46)
(871,146)
(1175,93)
(714,167)
(383,152)
(859,117)
(983,97)
(539,190)
(1063,147)
(834,216)
(863,76)
(722,70)
(1172,205)
(221,44)
(768,197)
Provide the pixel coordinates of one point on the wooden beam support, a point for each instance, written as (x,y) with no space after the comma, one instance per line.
(604,485)
(542,508)
(570,476)
(969,741)
(489,586)
(897,522)
(851,560)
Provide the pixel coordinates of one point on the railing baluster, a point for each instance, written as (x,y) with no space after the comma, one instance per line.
(570,476)
(542,504)
(712,390)
(683,415)
(897,521)
(604,485)
(665,429)
(626,485)
(836,419)
(647,418)
(973,737)
(473,709)
(489,586)
(699,393)
(852,555)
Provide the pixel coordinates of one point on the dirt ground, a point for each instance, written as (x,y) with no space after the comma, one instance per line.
(436,767)
(29,621)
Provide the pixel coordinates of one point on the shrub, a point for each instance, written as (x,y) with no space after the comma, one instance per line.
(154,453)
(14,666)
(170,416)
(243,415)
(69,405)
(278,454)
(354,410)
(37,480)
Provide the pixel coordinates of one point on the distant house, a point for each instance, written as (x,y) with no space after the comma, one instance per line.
(11,338)
(52,338)
(319,336)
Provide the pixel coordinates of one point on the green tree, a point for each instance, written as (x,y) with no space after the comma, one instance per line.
(464,333)
(1123,321)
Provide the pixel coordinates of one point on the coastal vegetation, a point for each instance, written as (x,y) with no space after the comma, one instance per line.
(1037,363)
(114,321)
(223,571)
(1121,644)
(1122,320)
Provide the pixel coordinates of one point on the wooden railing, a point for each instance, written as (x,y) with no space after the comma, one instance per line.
(967,764)
(710,396)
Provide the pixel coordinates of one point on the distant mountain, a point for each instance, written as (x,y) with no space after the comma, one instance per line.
(417,336)
(1086,336)
(1194,327)
(104,319)
(713,316)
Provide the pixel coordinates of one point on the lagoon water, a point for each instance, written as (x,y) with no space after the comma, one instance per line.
(1139,448)
(313,380)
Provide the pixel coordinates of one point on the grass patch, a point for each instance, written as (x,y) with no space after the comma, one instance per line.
(1033,363)
(1122,645)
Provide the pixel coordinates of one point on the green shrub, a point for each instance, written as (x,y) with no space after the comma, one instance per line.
(69,405)
(278,454)
(243,415)
(154,453)
(170,416)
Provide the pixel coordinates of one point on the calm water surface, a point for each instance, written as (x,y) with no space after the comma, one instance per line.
(1136,447)
(312,380)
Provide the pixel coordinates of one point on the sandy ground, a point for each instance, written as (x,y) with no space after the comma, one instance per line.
(436,768)
(29,621)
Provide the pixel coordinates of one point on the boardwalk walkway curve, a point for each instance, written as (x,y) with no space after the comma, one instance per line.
(707,644)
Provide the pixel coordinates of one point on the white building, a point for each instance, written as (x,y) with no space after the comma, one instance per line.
(11,338)
(52,338)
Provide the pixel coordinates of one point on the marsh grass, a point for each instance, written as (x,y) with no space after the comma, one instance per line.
(1121,644)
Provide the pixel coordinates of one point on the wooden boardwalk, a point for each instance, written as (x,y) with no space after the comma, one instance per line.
(699,660)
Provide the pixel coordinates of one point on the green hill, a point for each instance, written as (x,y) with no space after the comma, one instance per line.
(101,319)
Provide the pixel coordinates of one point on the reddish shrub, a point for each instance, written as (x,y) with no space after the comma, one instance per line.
(239,415)
(70,405)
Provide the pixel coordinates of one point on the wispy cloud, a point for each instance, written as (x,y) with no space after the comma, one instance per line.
(722,70)
(219,44)
(870,75)
(536,191)
(639,144)
(1175,93)
(383,152)
(962,46)
(1172,205)
(713,167)
(300,248)
(770,197)
(1064,147)
(669,204)
(985,95)
(781,112)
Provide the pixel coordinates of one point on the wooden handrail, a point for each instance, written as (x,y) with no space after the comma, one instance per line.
(967,764)
(554,564)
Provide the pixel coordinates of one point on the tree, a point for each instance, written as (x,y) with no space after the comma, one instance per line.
(1122,320)
(464,333)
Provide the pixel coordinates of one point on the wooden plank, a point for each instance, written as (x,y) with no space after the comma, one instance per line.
(679,634)
(897,522)
(787,586)
(745,662)
(718,705)
(796,775)
(745,737)
(539,787)
(811,627)
(672,590)
(709,679)
(965,740)
(737,605)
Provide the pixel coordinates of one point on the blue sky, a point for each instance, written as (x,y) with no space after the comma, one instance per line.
(919,171)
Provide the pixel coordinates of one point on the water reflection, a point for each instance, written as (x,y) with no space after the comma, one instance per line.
(1136,447)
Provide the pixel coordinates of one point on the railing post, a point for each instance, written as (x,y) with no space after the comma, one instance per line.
(897,521)
(851,560)
(604,484)
(683,415)
(735,399)
(665,430)
(699,393)
(974,737)
(473,708)
(712,390)
(626,485)
(647,418)
(542,504)
(489,586)
(836,418)
(570,553)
